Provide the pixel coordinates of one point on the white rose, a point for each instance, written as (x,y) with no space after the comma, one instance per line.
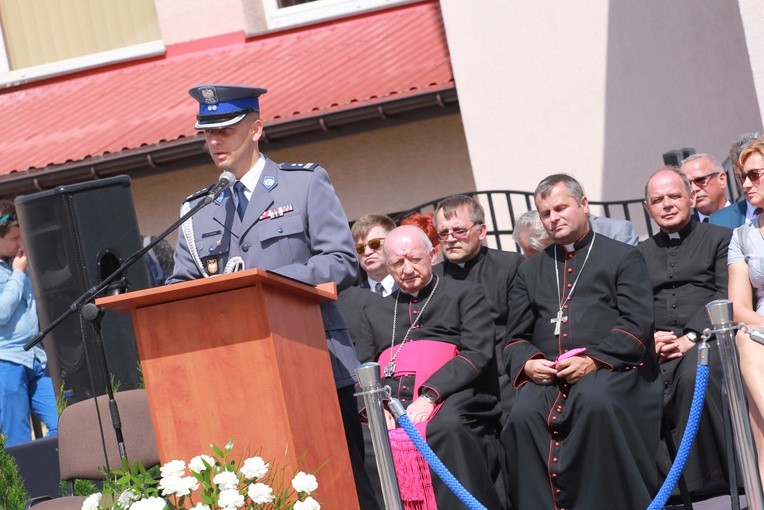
(126,498)
(254,468)
(152,503)
(260,493)
(92,502)
(308,504)
(178,486)
(226,480)
(230,499)
(303,482)
(196,465)
(173,468)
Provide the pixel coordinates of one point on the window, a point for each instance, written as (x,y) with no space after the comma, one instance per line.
(44,38)
(290,13)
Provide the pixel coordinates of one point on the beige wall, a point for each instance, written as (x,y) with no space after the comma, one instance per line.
(187,20)
(599,89)
(752,15)
(384,166)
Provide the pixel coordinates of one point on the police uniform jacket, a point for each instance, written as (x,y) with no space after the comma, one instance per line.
(294,226)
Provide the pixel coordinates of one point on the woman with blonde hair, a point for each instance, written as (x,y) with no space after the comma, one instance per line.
(746,285)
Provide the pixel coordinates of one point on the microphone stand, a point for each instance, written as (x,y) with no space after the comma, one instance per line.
(93,292)
(93,313)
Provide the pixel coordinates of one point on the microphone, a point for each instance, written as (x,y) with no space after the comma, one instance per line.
(757,336)
(225,181)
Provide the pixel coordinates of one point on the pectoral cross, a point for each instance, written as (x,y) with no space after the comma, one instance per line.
(557,321)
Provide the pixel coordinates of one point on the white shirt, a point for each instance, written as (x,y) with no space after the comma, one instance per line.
(387,285)
(249,180)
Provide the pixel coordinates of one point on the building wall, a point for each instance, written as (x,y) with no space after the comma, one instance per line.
(383,166)
(187,20)
(599,89)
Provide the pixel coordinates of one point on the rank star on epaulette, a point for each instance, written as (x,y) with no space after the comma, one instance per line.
(277,212)
(199,193)
(299,166)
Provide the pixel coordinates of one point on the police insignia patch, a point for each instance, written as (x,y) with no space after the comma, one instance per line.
(269,182)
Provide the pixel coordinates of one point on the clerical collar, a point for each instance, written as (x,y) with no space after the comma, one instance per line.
(425,290)
(471,262)
(683,232)
(581,243)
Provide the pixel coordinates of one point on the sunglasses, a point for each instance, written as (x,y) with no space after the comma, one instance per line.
(457,233)
(753,175)
(8,217)
(703,179)
(373,244)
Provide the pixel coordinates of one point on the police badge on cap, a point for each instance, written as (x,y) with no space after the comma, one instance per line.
(221,106)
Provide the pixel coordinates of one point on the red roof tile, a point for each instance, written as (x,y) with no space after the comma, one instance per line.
(320,69)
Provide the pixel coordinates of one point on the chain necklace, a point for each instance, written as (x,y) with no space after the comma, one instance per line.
(390,368)
(559,319)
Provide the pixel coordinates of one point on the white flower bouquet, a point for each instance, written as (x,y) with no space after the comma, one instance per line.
(207,483)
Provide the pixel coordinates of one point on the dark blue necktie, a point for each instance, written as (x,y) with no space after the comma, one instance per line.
(241,199)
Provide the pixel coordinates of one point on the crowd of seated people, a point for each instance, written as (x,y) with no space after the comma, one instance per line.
(576,360)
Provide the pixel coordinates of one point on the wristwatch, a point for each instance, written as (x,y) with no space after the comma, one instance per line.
(429,396)
(693,336)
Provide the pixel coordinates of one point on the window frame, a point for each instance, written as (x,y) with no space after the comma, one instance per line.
(278,18)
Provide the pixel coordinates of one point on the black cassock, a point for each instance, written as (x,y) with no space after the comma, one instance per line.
(591,444)
(495,270)
(686,274)
(465,431)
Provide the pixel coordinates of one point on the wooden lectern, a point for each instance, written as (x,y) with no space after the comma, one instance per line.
(243,356)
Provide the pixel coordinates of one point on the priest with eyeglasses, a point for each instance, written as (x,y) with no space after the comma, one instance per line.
(584,426)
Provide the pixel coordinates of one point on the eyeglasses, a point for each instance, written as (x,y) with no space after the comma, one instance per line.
(373,244)
(703,179)
(8,217)
(754,174)
(458,233)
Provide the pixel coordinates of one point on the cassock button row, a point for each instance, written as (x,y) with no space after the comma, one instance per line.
(565,335)
(570,285)
(414,312)
(564,395)
(554,475)
(565,307)
(554,417)
(559,409)
(557,443)
(557,491)
(570,269)
(554,433)
(554,459)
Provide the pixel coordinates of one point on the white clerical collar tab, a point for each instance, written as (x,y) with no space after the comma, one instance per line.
(569,247)
(674,235)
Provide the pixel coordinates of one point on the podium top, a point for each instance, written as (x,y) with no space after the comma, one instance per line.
(221,283)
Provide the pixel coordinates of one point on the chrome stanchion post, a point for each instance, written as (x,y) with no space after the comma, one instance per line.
(372,391)
(720,314)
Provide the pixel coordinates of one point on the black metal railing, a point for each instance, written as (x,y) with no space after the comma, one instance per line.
(502,207)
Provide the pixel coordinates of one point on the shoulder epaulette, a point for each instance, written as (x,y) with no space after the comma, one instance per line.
(199,193)
(299,166)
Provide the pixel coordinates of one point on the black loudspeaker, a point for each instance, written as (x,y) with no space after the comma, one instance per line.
(75,237)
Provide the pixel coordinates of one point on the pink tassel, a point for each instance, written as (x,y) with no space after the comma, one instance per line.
(414,480)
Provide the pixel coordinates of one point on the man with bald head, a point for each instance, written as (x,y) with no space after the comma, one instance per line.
(687,262)
(434,341)
(709,182)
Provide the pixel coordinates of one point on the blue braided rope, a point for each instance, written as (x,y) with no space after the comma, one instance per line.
(437,466)
(693,422)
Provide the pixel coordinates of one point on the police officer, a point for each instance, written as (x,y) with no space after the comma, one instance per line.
(280,217)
